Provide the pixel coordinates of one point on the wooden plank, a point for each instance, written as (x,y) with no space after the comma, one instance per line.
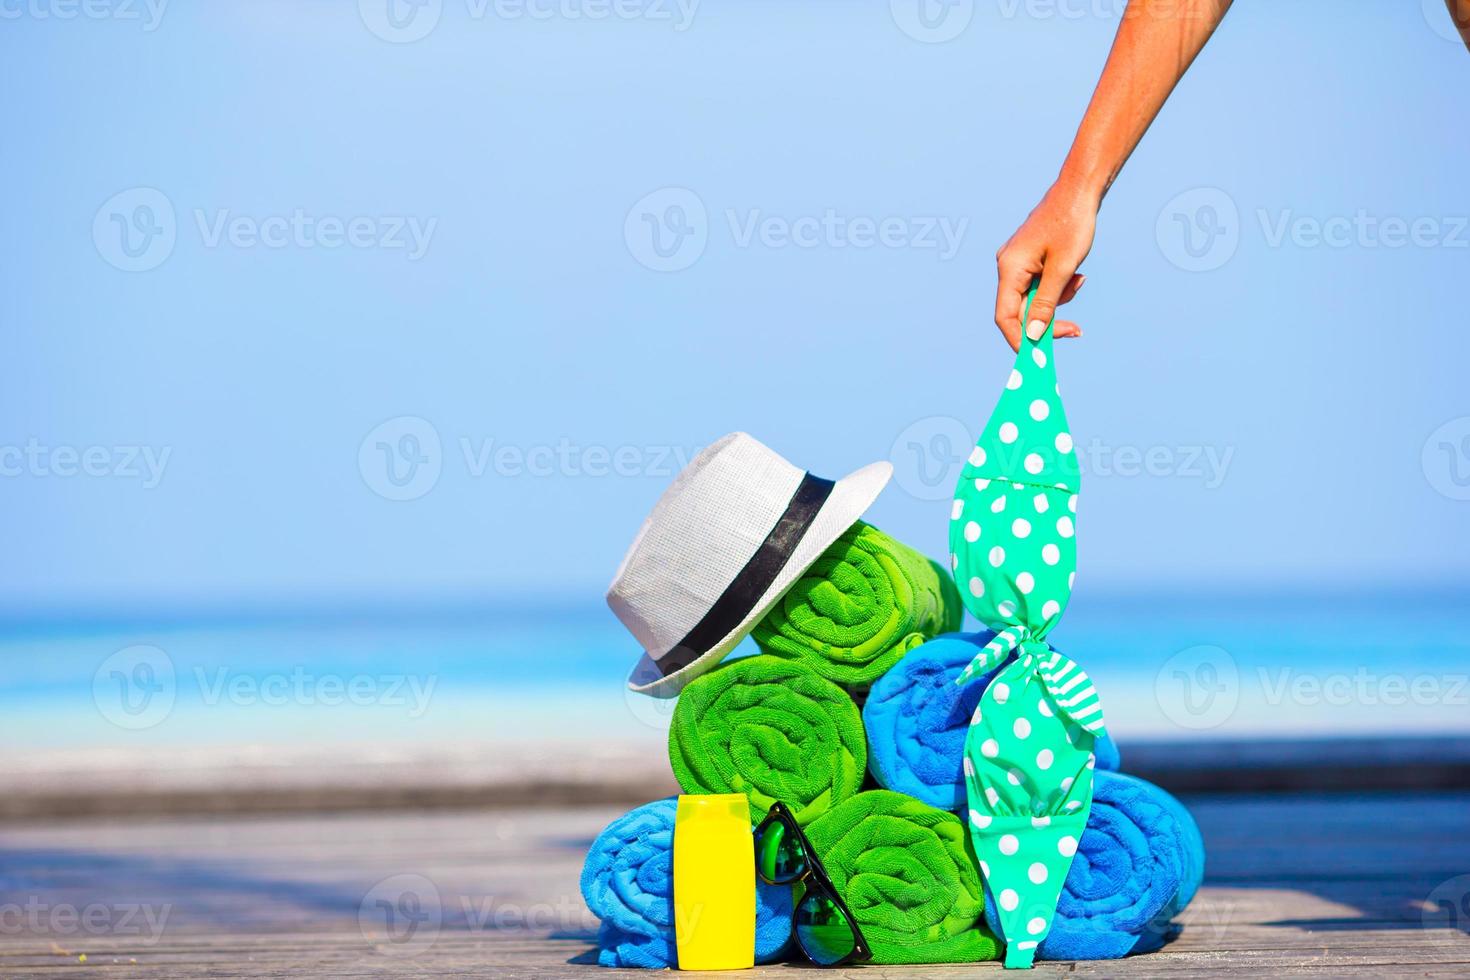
(1301,886)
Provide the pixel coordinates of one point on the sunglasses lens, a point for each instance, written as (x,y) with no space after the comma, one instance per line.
(823,931)
(779,854)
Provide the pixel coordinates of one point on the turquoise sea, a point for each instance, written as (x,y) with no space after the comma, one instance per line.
(1168,668)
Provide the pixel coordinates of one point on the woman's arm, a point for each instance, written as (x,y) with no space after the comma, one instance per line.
(1460,14)
(1156,42)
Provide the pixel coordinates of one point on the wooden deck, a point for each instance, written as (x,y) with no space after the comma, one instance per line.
(1298,886)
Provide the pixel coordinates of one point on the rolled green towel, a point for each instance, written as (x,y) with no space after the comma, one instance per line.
(907,874)
(771,729)
(860,607)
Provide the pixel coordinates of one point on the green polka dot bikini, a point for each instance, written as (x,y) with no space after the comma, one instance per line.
(1028,755)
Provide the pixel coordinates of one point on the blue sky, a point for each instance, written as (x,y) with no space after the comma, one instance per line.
(339,246)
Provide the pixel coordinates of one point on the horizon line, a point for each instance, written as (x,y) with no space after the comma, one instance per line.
(534,604)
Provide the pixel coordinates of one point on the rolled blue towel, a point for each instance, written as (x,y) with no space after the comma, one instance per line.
(1139,863)
(628,883)
(917,718)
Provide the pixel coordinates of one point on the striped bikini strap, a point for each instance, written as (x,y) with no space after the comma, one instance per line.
(1068,684)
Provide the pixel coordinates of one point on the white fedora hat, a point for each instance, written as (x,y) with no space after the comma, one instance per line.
(734,531)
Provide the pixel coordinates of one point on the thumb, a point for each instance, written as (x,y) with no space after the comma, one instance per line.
(1054,277)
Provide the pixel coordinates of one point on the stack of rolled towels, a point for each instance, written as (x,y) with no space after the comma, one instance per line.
(850,715)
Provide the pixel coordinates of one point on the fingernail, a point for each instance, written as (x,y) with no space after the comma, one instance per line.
(1081,281)
(1035,329)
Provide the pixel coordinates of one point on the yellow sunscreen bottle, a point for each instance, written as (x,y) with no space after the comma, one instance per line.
(714,883)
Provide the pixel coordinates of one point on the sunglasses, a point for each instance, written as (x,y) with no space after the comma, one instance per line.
(825,929)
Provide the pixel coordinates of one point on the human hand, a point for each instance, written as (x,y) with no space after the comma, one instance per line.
(1155,45)
(1051,244)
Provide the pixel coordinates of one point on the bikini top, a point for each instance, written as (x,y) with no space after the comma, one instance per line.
(1013,533)
(1029,749)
